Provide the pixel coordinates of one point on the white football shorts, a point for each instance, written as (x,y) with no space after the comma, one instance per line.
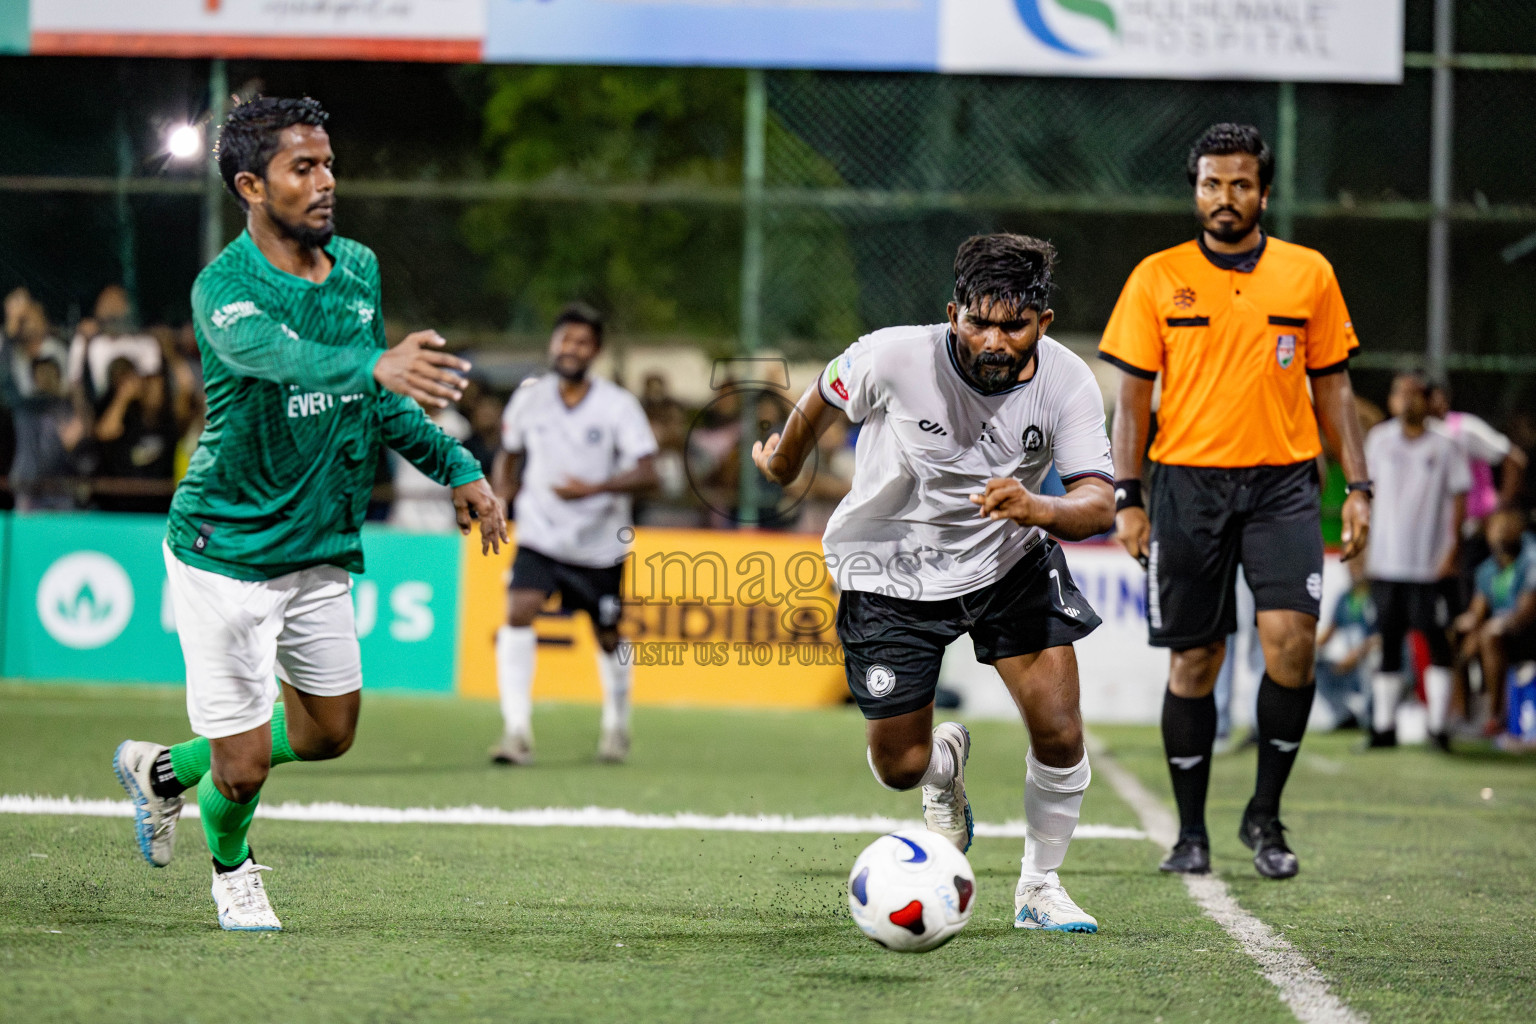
(236,633)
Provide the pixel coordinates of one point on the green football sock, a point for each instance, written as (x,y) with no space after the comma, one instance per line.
(190,760)
(225,823)
(282,753)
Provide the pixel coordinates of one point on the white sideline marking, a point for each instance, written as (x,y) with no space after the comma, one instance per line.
(545,817)
(1302,986)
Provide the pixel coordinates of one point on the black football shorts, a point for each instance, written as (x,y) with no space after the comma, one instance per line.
(582,588)
(1205,521)
(892,646)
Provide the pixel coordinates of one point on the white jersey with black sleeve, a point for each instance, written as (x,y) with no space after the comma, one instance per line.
(929,440)
(604,434)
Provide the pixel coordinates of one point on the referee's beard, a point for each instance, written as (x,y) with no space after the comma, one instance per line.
(1228,232)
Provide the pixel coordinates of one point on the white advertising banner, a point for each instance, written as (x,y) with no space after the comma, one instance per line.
(1121,676)
(365,29)
(1273,40)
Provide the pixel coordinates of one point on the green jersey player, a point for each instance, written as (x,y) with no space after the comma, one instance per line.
(265,529)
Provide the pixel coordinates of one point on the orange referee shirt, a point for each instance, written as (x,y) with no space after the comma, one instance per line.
(1235,350)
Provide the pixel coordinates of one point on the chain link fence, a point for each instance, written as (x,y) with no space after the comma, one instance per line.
(870,182)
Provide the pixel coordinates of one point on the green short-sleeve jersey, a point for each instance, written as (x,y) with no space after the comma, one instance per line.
(281,477)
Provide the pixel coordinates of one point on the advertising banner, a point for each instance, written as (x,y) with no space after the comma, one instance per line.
(869,34)
(1275,40)
(437,30)
(87,602)
(1280,40)
(714,619)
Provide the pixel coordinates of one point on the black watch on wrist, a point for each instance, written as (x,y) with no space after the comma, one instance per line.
(1360,485)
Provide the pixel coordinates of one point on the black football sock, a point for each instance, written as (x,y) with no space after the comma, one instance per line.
(162,777)
(1189,733)
(1282,721)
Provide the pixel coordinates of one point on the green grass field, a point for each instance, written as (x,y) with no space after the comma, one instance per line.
(1417,897)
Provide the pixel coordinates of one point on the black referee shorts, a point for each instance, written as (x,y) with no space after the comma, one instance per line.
(892,647)
(598,592)
(1207,521)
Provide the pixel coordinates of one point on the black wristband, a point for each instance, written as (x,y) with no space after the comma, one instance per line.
(1127,494)
(1368,486)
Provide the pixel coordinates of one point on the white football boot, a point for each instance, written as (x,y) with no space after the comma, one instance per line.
(945,809)
(154,817)
(1046,906)
(613,746)
(514,748)
(242,900)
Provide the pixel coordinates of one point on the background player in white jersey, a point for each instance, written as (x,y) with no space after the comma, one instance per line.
(575,448)
(945,532)
(1421,480)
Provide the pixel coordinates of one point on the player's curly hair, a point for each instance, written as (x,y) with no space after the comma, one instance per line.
(1227,138)
(252,134)
(1013,270)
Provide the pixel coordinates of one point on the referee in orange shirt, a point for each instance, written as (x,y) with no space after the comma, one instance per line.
(1238,323)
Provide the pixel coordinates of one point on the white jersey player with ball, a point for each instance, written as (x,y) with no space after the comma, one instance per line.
(575,448)
(945,532)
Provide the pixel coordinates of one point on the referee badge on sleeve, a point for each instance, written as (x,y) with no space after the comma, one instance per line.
(1285,351)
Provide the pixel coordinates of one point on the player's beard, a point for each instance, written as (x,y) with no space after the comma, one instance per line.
(1227,235)
(302,233)
(992,372)
(570,369)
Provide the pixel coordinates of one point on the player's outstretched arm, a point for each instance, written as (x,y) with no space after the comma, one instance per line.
(1086,510)
(477,497)
(1334,398)
(781,457)
(418,369)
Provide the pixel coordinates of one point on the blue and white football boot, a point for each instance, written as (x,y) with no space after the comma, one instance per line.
(154,817)
(1047,907)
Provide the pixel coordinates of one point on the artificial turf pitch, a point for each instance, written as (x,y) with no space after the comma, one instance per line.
(1417,897)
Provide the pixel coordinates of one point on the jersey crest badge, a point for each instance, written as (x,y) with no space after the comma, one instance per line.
(1184,298)
(835,371)
(1034,440)
(1285,351)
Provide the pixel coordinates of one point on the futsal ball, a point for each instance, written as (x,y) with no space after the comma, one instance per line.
(911,890)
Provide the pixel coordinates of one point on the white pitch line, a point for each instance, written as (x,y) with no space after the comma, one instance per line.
(548,817)
(1302,986)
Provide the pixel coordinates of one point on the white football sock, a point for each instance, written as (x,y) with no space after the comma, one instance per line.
(941,766)
(1386,691)
(614,670)
(1437,691)
(1053,798)
(515,646)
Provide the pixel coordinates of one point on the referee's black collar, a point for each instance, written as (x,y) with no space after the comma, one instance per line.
(1242,262)
(950,341)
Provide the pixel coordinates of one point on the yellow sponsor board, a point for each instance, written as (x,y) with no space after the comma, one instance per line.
(713,619)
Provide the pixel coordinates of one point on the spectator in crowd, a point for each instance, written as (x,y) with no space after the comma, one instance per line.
(49,431)
(421,503)
(1421,482)
(136,441)
(1486,450)
(28,338)
(108,336)
(1346,650)
(1499,629)
(482,410)
(673,502)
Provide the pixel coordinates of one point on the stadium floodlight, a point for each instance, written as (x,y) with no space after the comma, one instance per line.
(184,142)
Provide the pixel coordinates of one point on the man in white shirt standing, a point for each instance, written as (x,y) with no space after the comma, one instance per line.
(575,448)
(1421,482)
(945,532)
